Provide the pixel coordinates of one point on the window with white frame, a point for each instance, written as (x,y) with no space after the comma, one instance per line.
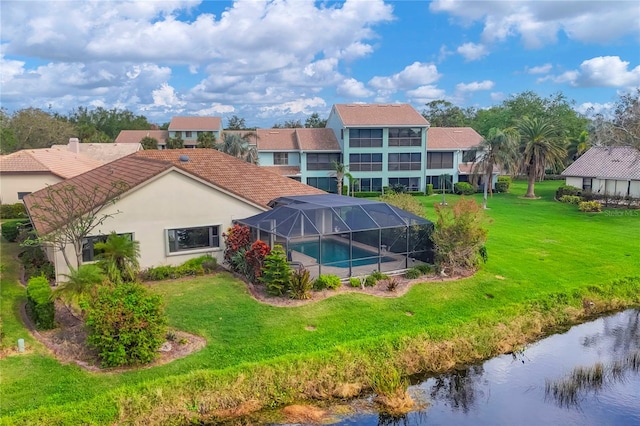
(280,158)
(365,138)
(89,252)
(405,161)
(365,162)
(440,160)
(196,238)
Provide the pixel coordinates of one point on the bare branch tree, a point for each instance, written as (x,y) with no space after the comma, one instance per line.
(66,214)
(623,129)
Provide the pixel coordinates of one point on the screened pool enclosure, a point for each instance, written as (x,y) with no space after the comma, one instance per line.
(345,236)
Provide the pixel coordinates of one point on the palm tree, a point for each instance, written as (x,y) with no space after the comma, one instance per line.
(239,146)
(118,256)
(540,147)
(496,149)
(80,284)
(339,169)
(353,182)
(578,146)
(206,140)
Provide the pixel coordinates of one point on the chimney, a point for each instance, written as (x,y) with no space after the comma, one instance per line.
(74,145)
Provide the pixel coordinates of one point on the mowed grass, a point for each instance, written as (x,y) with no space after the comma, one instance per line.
(537,249)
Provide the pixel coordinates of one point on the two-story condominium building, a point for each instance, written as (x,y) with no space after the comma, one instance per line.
(382,144)
(306,155)
(188,128)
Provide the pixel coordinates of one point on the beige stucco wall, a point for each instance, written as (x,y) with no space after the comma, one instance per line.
(574,181)
(11,184)
(172,200)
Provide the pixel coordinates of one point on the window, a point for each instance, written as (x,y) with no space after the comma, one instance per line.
(405,161)
(328,184)
(89,253)
(365,162)
(469,156)
(433,180)
(321,161)
(370,184)
(365,138)
(440,160)
(193,238)
(405,137)
(586,184)
(21,195)
(412,184)
(187,134)
(281,158)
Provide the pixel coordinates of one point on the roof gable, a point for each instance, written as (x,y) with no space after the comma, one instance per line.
(61,163)
(136,136)
(196,123)
(618,162)
(383,115)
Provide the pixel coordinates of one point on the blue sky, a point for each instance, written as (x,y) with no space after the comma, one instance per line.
(274,60)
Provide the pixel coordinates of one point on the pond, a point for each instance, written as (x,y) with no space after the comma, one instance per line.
(588,375)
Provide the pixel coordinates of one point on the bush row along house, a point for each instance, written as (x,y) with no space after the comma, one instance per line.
(381,145)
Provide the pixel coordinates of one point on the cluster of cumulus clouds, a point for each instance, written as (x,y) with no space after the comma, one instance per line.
(269,58)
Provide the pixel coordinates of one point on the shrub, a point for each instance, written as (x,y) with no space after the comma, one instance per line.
(413,273)
(11,229)
(429,189)
(255,259)
(354,282)
(35,262)
(192,267)
(276,274)
(404,202)
(567,190)
(370,281)
(570,199)
(398,188)
(392,284)
(13,211)
(502,187)
(464,188)
(327,281)
(300,284)
(590,206)
(379,275)
(505,179)
(424,268)
(368,194)
(126,323)
(236,238)
(40,303)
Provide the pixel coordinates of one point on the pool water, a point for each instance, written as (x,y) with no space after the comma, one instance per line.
(336,253)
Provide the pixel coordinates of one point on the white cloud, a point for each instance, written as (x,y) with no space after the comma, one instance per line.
(474,86)
(602,71)
(166,96)
(472,51)
(298,106)
(538,23)
(353,89)
(591,108)
(541,69)
(413,75)
(497,96)
(425,94)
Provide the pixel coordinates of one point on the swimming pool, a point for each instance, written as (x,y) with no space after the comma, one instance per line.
(336,253)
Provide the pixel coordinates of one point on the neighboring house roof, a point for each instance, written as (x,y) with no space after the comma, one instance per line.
(61,163)
(195,123)
(251,183)
(284,170)
(306,139)
(452,138)
(379,115)
(102,152)
(135,136)
(618,162)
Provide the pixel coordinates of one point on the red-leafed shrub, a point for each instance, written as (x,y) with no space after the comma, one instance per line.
(235,239)
(255,258)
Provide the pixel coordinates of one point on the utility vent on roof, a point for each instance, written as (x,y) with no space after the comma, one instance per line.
(184,158)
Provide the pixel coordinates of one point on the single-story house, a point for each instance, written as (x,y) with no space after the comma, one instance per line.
(176,203)
(29,170)
(610,170)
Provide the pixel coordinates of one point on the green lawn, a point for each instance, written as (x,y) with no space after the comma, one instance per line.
(536,248)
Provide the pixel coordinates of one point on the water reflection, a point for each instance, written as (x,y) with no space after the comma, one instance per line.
(459,389)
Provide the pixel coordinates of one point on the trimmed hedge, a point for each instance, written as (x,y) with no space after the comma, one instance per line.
(503,184)
(13,211)
(327,281)
(40,303)
(464,188)
(570,199)
(567,190)
(192,267)
(365,194)
(429,189)
(590,206)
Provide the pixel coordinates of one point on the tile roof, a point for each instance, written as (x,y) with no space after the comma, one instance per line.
(64,164)
(284,170)
(277,140)
(607,162)
(319,139)
(196,123)
(103,152)
(452,138)
(251,183)
(135,136)
(379,115)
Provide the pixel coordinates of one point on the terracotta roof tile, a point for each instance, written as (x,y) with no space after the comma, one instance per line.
(196,123)
(135,136)
(618,162)
(252,183)
(103,152)
(64,164)
(317,140)
(277,140)
(452,138)
(379,115)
